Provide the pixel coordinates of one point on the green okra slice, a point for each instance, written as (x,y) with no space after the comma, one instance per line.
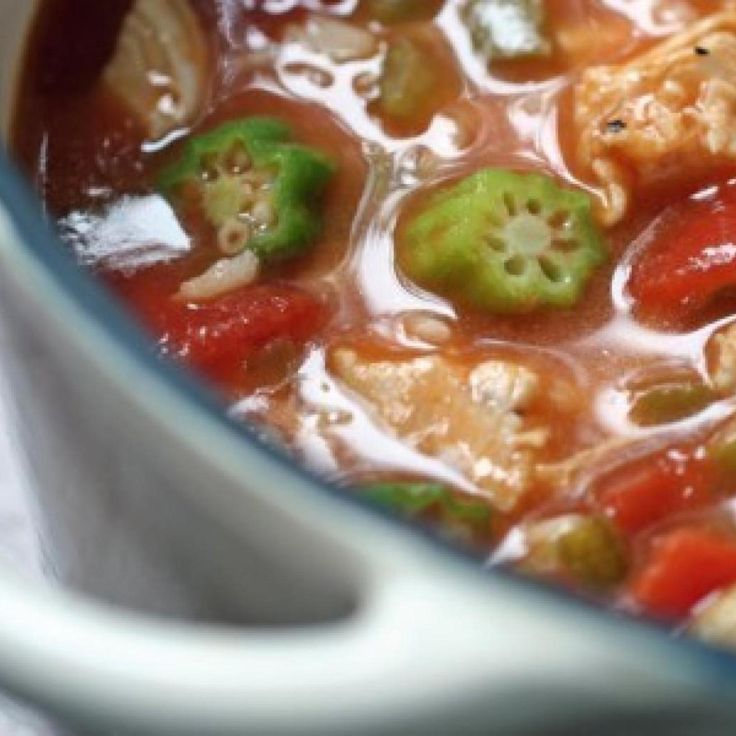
(255,187)
(504,242)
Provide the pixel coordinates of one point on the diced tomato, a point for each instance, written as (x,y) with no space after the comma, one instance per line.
(641,494)
(689,256)
(683,568)
(216,337)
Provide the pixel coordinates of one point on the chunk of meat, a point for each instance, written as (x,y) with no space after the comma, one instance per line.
(669,112)
(470,422)
(161,65)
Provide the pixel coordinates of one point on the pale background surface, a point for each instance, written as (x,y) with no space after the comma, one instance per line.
(19,546)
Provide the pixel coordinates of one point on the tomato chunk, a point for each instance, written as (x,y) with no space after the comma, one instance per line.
(684,567)
(689,257)
(650,490)
(216,337)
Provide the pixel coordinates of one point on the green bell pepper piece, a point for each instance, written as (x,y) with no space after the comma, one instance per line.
(504,243)
(507,29)
(670,403)
(464,518)
(245,162)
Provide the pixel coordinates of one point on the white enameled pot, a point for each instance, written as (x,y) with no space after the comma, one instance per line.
(204,585)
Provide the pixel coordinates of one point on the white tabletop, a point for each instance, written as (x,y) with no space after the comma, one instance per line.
(19,546)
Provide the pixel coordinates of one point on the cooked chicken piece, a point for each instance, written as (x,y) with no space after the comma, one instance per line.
(161,64)
(669,112)
(503,386)
(721,354)
(469,422)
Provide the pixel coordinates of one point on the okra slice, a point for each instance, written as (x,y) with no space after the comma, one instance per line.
(585,549)
(256,188)
(504,242)
(466,519)
(507,29)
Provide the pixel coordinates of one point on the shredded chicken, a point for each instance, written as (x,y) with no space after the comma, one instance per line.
(668,112)
(161,64)
(469,422)
(721,354)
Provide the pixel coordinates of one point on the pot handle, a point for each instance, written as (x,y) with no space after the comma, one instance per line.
(430,654)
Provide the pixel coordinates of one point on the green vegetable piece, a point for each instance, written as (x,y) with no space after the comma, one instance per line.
(592,553)
(584,548)
(721,450)
(670,403)
(401,11)
(257,189)
(407,81)
(464,518)
(507,29)
(504,243)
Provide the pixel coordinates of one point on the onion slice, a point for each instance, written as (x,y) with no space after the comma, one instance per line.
(161,65)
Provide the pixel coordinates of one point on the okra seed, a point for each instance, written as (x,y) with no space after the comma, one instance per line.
(238,161)
(508,201)
(534,206)
(515,266)
(551,270)
(210,168)
(233,236)
(497,244)
(263,212)
(564,244)
(560,220)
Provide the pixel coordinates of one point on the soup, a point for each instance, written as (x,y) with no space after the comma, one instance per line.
(472,261)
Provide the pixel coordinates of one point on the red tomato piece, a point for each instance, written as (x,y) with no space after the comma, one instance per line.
(651,489)
(683,568)
(689,256)
(216,337)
